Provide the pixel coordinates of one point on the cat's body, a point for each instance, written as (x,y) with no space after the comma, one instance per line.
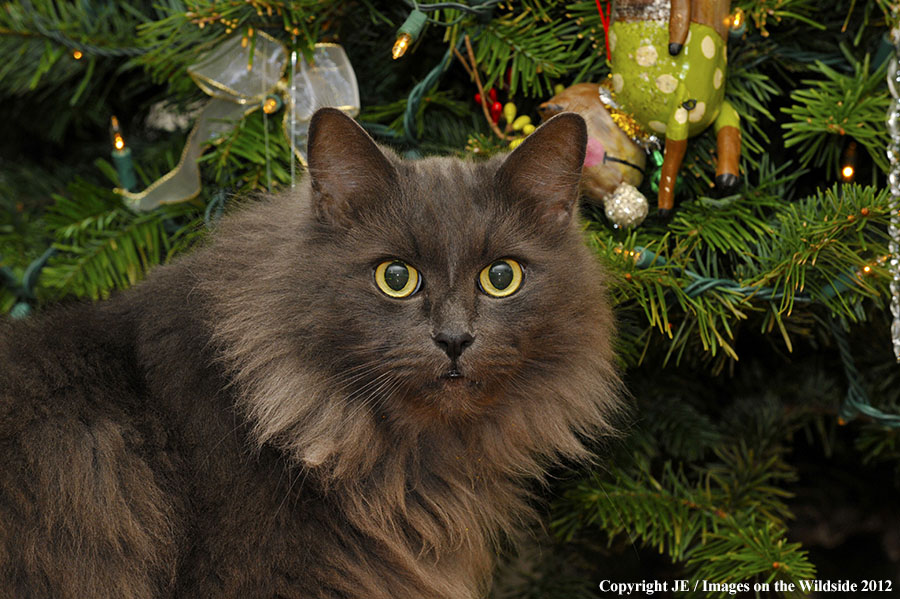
(261,420)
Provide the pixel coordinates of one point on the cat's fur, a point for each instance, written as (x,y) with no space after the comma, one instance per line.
(259,420)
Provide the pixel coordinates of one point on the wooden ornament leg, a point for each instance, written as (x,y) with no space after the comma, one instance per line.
(728,143)
(728,146)
(672,159)
(679,25)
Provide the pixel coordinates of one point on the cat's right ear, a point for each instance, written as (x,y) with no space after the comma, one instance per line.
(346,168)
(544,172)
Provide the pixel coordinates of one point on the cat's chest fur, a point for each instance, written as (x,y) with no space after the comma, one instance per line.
(260,525)
(342,396)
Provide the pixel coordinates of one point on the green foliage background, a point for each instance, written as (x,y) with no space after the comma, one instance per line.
(745,322)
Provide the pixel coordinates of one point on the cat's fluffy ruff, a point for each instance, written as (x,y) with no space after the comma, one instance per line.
(258,420)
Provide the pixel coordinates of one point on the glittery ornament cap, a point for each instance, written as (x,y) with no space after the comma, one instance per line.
(627,207)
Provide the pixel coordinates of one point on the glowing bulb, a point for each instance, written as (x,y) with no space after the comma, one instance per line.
(737,22)
(401,45)
(77,54)
(848,162)
(270,106)
(116,132)
(867,269)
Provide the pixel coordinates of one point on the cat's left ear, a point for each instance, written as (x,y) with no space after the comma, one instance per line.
(345,166)
(545,170)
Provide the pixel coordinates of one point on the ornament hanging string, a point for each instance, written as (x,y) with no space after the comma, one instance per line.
(605,19)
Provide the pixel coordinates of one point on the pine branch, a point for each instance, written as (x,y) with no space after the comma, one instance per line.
(827,249)
(727,525)
(678,428)
(22,237)
(449,111)
(764,14)
(745,555)
(103,246)
(534,53)
(880,444)
(57,42)
(837,106)
(750,91)
(586,16)
(822,243)
(252,155)
(193,27)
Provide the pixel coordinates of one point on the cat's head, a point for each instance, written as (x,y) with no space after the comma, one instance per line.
(425,295)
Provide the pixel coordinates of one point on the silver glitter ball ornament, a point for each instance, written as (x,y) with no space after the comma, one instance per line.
(626,207)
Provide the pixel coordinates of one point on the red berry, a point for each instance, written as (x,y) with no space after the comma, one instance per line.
(496,111)
(478,98)
(493,94)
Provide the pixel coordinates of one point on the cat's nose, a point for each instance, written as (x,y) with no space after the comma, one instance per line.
(453,343)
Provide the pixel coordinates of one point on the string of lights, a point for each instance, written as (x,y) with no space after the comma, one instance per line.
(78,48)
(857,401)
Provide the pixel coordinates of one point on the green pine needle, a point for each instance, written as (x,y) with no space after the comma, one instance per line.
(838,106)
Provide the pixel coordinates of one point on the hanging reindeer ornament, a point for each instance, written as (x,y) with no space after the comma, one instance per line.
(613,163)
(668,65)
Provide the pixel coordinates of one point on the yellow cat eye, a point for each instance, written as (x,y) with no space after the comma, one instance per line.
(501,278)
(397,278)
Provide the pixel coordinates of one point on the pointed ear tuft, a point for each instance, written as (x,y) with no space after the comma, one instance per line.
(544,172)
(346,168)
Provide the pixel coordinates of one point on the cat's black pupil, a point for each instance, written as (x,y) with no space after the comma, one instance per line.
(396,276)
(501,275)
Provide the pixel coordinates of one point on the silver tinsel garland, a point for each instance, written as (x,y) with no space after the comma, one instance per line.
(893,123)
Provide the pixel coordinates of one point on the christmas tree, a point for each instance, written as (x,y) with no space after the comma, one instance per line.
(755,325)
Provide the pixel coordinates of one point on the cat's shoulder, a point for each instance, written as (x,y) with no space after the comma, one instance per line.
(56,364)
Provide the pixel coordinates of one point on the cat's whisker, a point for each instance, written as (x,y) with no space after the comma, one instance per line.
(358,372)
(377,383)
(301,471)
(372,381)
(374,397)
(346,384)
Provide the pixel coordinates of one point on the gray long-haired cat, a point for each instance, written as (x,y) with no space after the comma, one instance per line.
(342,396)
